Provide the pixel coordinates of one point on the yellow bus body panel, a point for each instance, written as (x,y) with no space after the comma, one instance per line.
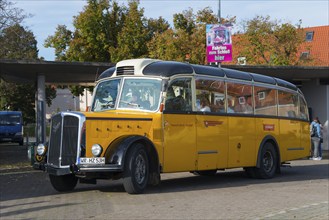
(242,145)
(179,142)
(265,127)
(103,128)
(305,140)
(190,142)
(294,140)
(212,142)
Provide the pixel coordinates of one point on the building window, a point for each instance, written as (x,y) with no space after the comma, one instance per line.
(305,55)
(309,35)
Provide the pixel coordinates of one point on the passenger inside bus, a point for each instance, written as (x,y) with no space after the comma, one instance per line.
(220,106)
(174,103)
(230,107)
(243,106)
(204,104)
(135,101)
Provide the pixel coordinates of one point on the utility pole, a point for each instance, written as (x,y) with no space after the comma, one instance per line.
(219,15)
(219,21)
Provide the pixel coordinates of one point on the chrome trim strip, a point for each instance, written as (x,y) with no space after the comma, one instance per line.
(296,148)
(208,152)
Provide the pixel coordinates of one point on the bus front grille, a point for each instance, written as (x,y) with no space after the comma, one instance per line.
(64,139)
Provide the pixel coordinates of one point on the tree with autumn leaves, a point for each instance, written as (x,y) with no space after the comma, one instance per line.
(270,42)
(108,32)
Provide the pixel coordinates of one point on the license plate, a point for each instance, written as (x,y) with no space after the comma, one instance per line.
(92,160)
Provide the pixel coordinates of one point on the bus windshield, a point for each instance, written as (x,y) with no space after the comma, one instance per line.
(135,93)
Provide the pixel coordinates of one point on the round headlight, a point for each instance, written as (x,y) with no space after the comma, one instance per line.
(96,150)
(41,149)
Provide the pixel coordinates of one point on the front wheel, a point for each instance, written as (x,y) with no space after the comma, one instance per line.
(136,171)
(268,162)
(63,183)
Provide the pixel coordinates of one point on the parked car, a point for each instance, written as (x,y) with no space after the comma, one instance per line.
(11,127)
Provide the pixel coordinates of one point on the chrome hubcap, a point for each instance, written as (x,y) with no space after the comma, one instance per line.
(140,169)
(268,161)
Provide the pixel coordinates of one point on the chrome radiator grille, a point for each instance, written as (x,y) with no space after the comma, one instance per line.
(64,139)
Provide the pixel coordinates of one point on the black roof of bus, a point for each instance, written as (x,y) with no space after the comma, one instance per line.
(171,68)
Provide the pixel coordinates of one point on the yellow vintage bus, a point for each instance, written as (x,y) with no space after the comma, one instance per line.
(150,117)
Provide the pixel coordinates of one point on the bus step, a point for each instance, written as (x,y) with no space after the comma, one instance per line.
(286,164)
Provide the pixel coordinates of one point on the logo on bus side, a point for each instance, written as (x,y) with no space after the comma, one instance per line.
(268,127)
(212,123)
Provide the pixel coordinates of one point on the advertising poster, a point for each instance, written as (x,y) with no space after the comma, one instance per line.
(219,43)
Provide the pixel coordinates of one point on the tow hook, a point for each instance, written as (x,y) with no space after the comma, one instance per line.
(74,168)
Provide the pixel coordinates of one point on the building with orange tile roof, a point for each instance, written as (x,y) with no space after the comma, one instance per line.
(315,48)
(316,45)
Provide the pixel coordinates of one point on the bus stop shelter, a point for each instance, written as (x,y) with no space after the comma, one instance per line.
(49,72)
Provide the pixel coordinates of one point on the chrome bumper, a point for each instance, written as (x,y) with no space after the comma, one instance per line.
(79,169)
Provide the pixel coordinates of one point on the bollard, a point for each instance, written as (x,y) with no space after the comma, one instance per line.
(30,153)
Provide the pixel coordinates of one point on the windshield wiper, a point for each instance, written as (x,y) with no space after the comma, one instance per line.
(130,103)
(108,104)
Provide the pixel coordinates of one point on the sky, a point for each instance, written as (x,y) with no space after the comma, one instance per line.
(48,14)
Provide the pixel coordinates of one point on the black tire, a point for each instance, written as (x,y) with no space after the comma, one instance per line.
(136,171)
(206,172)
(268,162)
(63,183)
(21,143)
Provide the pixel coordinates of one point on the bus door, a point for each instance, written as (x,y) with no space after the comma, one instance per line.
(179,128)
(242,130)
(212,133)
(290,128)
(242,143)
(212,141)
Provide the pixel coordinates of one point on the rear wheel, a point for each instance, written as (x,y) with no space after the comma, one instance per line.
(63,183)
(268,162)
(136,171)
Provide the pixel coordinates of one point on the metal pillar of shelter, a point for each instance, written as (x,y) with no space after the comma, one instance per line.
(41,110)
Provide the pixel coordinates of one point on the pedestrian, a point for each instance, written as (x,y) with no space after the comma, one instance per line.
(316,138)
(321,139)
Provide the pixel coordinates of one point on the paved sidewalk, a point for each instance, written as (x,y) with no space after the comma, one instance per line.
(311,211)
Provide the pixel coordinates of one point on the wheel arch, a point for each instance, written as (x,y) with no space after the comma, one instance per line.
(117,151)
(272,140)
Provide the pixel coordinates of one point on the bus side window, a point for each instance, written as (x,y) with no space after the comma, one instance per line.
(179,96)
(303,113)
(240,98)
(210,95)
(288,104)
(265,101)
